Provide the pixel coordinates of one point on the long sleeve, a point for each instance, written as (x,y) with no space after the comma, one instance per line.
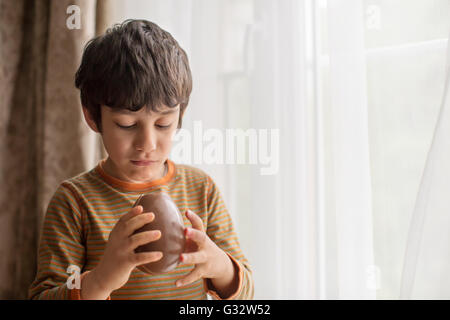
(60,246)
(82,213)
(220,230)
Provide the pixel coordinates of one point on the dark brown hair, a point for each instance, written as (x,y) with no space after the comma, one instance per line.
(134,64)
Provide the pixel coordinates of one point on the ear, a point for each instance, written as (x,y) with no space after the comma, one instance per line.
(89,120)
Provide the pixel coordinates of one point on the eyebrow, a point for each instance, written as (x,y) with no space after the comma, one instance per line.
(126,111)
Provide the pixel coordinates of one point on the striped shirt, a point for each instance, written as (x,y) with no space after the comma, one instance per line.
(84,210)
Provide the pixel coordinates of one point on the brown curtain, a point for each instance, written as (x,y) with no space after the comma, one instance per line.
(43,136)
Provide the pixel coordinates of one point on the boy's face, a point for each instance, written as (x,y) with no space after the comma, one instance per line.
(148,138)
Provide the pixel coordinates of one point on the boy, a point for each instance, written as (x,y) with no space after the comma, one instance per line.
(135,84)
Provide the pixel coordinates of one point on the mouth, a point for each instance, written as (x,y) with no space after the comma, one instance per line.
(143,163)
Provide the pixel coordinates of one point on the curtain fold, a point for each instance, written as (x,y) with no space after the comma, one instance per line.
(350,240)
(283,205)
(427,255)
(44,137)
(21,154)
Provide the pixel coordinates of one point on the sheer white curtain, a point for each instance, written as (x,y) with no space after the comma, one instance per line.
(349,250)
(283,234)
(405,53)
(318,206)
(389,57)
(427,259)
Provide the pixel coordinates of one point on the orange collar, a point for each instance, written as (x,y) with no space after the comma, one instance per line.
(131,186)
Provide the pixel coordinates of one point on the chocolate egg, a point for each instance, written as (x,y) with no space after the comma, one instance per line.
(169,221)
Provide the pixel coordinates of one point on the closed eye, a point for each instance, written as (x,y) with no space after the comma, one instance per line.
(133,125)
(125,127)
(163,127)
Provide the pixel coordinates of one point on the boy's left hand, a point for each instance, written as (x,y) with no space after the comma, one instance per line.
(210,261)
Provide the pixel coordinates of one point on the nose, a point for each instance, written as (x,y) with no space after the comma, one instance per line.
(145,140)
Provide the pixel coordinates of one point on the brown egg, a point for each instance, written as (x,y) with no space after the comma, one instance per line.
(170,222)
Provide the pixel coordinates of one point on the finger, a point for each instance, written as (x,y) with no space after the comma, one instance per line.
(193,257)
(146,257)
(137,222)
(142,238)
(194,275)
(196,235)
(132,213)
(195,220)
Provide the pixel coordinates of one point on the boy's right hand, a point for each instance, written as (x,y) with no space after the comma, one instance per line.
(119,258)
